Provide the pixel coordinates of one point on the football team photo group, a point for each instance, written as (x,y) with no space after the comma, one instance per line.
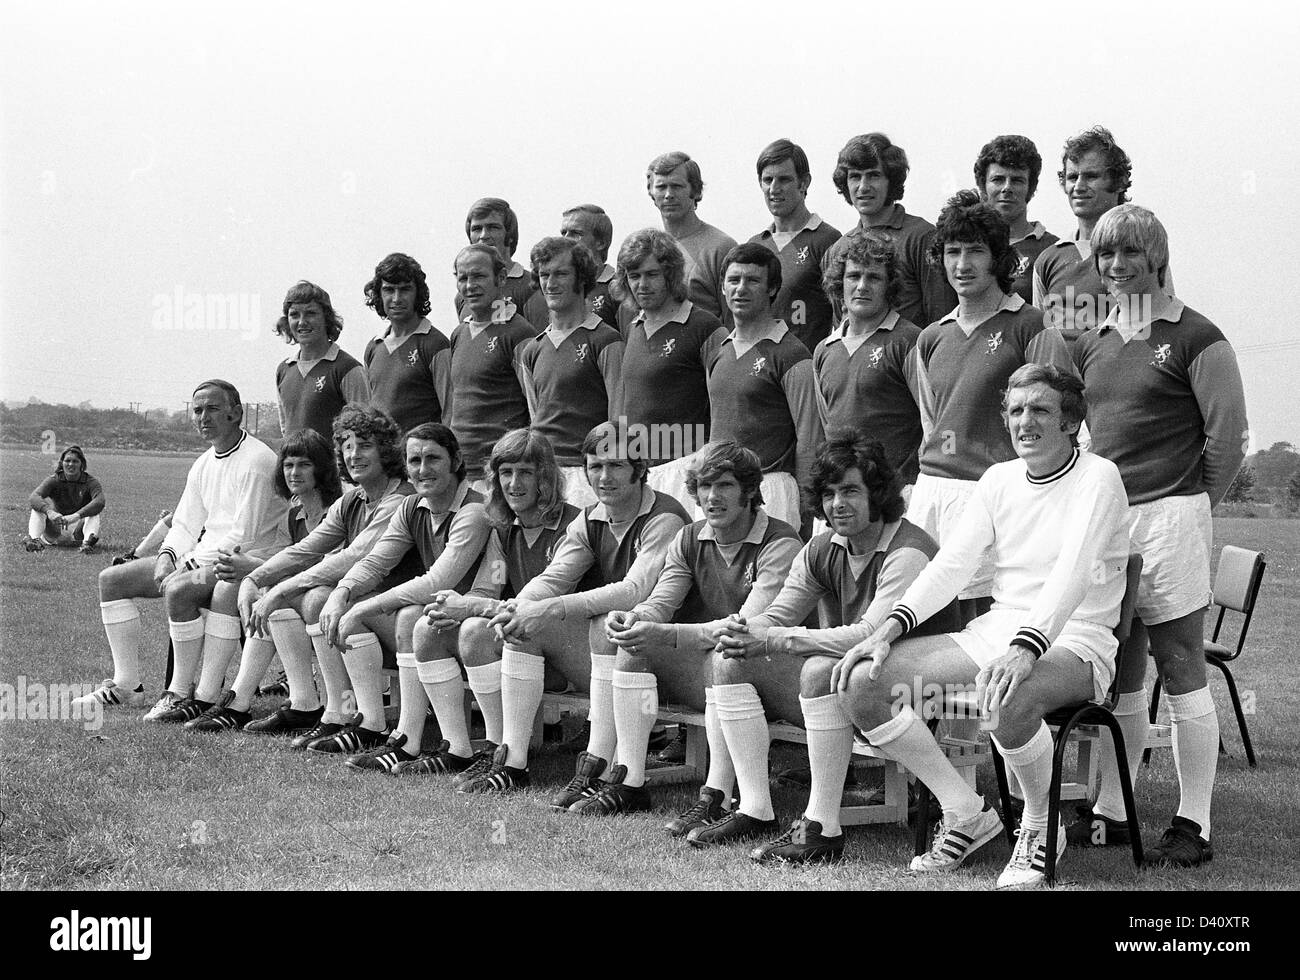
(919,482)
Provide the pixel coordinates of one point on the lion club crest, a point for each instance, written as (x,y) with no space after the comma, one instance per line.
(757,369)
(801,255)
(877,353)
(995,341)
(320,384)
(412,358)
(582,352)
(1162,355)
(669,344)
(1022,267)
(492,345)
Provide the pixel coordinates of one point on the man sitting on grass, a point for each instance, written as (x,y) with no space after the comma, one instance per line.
(733,561)
(66,506)
(770,667)
(230,499)
(1056,523)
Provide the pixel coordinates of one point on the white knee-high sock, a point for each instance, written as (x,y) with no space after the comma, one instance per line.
(220,644)
(744,726)
(446,691)
(258,651)
(187,650)
(1131,713)
(1032,763)
(1195,726)
(522,678)
(364,659)
(485,682)
(830,745)
(121,619)
(636,706)
(415,703)
(906,739)
(604,736)
(722,774)
(294,645)
(36,527)
(340,703)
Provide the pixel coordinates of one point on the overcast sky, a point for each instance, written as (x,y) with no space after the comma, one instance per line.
(154,154)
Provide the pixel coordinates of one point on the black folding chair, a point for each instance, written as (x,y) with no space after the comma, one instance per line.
(1236,586)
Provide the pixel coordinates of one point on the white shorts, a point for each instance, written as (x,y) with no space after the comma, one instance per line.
(936,507)
(987,637)
(1174,537)
(577,490)
(670,479)
(780,498)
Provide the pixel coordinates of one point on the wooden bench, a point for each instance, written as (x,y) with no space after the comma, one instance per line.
(965,755)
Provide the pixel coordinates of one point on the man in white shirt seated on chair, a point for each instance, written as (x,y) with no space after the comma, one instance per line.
(1056,522)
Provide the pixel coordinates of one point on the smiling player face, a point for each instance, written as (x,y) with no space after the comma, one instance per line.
(518,482)
(361,456)
(307,324)
(431,470)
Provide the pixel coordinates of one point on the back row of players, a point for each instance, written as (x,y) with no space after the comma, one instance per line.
(636,402)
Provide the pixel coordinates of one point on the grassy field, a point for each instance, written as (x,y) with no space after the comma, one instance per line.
(142,807)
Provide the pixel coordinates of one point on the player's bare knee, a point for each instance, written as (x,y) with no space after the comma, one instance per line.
(869,704)
(630,663)
(815,677)
(477,642)
(728,670)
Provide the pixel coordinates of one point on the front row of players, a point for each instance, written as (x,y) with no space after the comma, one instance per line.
(628,599)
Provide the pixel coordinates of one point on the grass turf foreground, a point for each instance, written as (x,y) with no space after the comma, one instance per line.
(130,806)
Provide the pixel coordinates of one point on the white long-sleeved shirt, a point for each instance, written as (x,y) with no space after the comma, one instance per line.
(230,499)
(1059,546)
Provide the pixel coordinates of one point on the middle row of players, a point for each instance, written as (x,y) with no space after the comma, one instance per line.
(664,380)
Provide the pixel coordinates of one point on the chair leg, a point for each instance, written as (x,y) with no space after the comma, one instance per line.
(1054,800)
(1236,707)
(1151,716)
(921,843)
(1126,788)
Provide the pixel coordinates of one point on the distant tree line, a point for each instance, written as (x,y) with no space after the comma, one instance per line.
(120,428)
